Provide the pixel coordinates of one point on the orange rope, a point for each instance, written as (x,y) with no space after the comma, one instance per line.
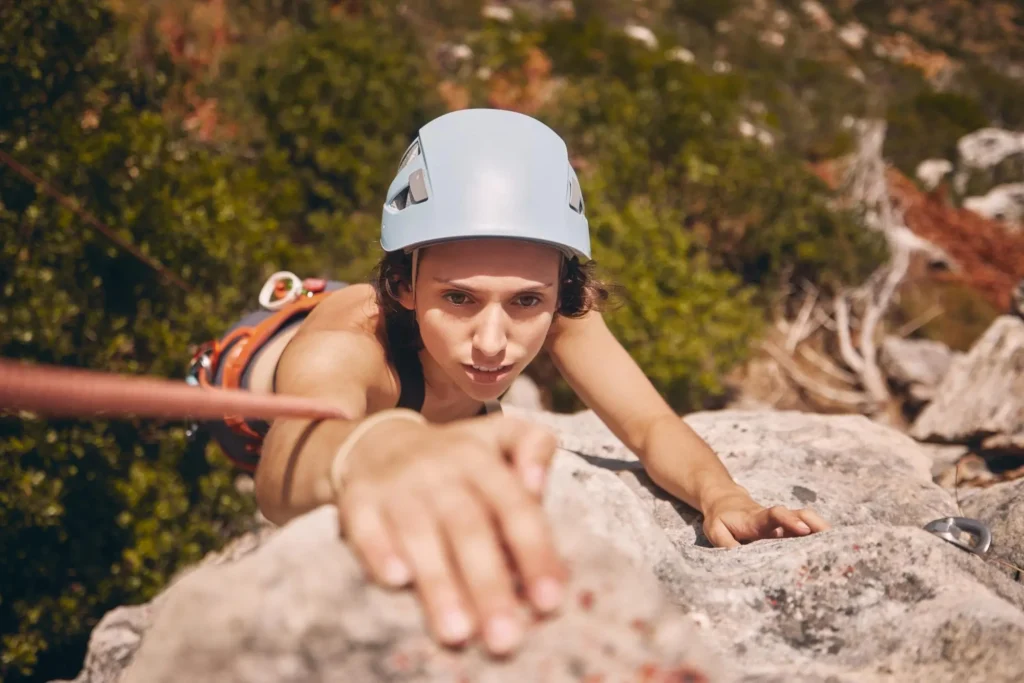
(67,392)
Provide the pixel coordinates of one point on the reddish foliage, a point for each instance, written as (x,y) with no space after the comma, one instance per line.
(990,257)
(651,673)
(525,89)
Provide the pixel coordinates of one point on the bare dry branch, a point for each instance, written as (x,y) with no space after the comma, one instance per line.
(802,328)
(920,321)
(871,374)
(846,350)
(852,399)
(827,366)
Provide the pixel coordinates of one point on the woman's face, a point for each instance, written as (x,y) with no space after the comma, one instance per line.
(484,309)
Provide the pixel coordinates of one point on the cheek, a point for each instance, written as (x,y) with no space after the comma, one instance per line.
(533,332)
(440,336)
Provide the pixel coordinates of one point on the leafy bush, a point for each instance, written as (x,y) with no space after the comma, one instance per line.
(685,322)
(100,513)
(668,130)
(331,109)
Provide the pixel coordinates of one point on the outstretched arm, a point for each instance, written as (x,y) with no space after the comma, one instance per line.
(677,459)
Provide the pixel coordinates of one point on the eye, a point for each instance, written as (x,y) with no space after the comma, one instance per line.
(456,298)
(529,300)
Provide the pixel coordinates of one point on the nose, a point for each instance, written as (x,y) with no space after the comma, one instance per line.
(490,335)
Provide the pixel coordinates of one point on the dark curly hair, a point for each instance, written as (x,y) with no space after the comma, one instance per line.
(580,291)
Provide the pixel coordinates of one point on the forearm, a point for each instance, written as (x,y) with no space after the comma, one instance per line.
(295,464)
(678,460)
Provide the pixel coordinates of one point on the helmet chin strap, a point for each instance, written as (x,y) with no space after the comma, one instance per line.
(415,267)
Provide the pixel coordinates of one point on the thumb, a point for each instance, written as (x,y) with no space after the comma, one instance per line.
(719,535)
(529,447)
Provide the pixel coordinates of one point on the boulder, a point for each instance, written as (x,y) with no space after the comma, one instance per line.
(1003,202)
(876,598)
(982,394)
(915,362)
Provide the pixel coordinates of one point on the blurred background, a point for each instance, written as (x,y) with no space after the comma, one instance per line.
(750,169)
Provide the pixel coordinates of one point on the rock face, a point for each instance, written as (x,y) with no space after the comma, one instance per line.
(876,598)
(1002,508)
(983,392)
(524,393)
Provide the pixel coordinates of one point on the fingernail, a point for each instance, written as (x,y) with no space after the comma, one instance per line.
(503,634)
(455,626)
(547,594)
(534,477)
(396,572)
(803,527)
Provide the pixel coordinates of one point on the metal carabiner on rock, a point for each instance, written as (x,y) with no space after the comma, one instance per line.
(950,528)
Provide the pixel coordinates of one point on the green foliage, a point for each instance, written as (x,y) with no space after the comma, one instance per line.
(705,14)
(1001,97)
(668,130)
(96,514)
(928,126)
(966,314)
(685,322)
(331,109)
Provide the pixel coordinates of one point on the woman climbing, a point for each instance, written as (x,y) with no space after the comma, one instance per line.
(485,265)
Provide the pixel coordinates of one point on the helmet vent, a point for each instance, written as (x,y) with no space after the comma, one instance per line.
(413,193)
(401,200)
(575,196)
(413,151)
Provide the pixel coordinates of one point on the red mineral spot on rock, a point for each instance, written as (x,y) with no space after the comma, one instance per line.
(640,625)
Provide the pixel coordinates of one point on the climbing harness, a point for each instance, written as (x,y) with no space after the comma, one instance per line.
(223,362)
(951,529)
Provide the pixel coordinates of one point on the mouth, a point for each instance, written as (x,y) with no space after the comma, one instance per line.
(487,374)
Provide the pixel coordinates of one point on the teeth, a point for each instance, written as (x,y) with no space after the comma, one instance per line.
(483,369)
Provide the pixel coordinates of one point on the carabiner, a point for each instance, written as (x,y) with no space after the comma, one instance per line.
(949,529)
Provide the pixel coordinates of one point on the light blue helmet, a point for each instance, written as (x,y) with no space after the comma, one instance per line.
(486,173)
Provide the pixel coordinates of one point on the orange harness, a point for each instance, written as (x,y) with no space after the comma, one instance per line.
(237,349)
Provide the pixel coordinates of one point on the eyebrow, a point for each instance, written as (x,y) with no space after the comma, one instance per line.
(459,285)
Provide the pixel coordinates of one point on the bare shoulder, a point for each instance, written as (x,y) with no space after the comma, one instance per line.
(353,308)
(575,330)
(338,352)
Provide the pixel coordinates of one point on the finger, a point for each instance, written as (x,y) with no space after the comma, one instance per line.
(474,544)
(813,520)
(787,519)
(720,536)
(528,446)
(526,532)
(373,543)
(423,546)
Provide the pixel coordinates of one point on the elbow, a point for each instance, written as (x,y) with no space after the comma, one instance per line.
(268,496)
(269,489)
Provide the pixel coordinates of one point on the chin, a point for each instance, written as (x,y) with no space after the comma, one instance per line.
(483,387)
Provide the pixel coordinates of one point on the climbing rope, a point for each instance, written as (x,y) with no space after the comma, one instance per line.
(56,391)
